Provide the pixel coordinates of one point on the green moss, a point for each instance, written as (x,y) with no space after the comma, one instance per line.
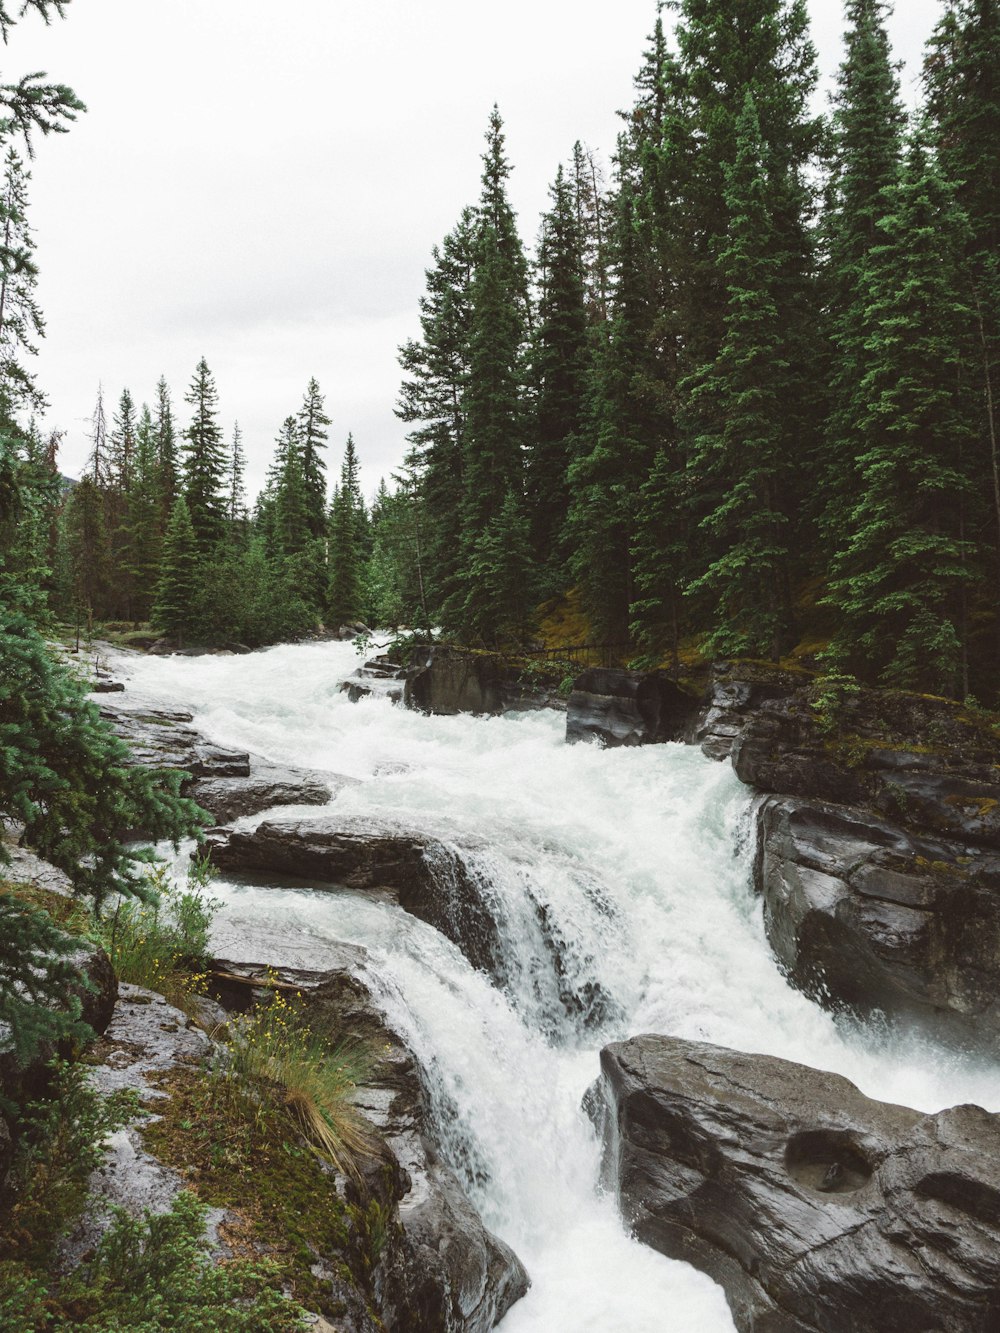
(71,914)
(247,1155)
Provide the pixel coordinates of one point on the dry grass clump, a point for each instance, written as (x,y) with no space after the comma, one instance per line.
(275,1054)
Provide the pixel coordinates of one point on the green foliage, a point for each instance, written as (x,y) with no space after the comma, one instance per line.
(204,459)
(67,777)
(178,593)
(60,1141)
(348,535)
(829,697)
(37,981)
(161,941)
(157,1273)
(151,1275)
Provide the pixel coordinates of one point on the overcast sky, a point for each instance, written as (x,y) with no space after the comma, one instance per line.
(261,184)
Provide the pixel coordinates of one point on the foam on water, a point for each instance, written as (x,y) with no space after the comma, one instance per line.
(632,864)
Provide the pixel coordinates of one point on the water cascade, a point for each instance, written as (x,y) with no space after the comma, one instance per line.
(620,883)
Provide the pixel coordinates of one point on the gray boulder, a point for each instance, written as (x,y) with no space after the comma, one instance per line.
(818,1210)
(861,913)
(420,874)
(628,708)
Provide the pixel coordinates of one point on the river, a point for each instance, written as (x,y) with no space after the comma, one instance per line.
(630,866)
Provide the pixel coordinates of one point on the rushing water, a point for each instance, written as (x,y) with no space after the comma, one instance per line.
(630,866)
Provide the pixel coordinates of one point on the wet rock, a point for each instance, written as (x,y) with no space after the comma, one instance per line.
(864,914)
(226,783)
(817,1209)
(439,1269)
(450,681)
(267,785)
(146,1036)
(736,693)
(377,678)
(419,873)
(445,681)
(925,763)
(628,708)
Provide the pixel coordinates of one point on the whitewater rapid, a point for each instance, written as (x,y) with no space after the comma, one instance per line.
(638,862)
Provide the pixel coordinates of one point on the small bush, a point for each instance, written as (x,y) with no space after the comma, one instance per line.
(156,1273)
(162,943)
(60,1141)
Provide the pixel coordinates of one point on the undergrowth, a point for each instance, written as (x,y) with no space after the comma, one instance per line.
(162,943)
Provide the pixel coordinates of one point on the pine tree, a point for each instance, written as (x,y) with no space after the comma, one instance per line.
(236,505)
(85,537)
(144,542)
(432,400)
(21,322)
(176,609)
(560,361)
(867,147)
(166,453)
(904,563)
(121,445)
(204,460)
(498,606)
(312,428)
(99,463)
(499,324)
(962,75)
(739,426)
(346,593)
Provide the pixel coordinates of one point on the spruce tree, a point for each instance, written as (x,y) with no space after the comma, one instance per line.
(99,462)
(962,76)
(739,427)
(560,361)
(312,428)
(85,537)
(236,503)
(432,401)
(21,322)
(166,453)
(498,607)
(495,415)
(905,563)
(178,593)
(204,460)
(867,146)
(144,536)
(346,591)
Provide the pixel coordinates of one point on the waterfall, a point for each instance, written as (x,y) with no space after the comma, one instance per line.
(619,881)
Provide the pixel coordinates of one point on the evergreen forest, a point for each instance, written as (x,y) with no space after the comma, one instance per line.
(740,400)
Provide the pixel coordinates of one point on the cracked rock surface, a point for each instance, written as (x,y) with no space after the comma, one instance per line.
(817,1209)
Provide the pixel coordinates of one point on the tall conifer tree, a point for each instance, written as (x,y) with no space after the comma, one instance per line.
(204,460)
(905,564)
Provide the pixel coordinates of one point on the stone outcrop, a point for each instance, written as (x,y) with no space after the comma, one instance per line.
(818,1210)
(928,764)
(423,876)
(146,1037)
(441,1270)
(879,854)
(863,913)
(734,695)
(628,708)
(446,681)
(226,783)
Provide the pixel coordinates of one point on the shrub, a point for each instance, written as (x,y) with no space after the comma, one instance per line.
(156,1273)
(161,942)
(60,1141)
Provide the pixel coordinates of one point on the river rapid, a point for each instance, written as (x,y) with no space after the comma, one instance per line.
(637,861)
